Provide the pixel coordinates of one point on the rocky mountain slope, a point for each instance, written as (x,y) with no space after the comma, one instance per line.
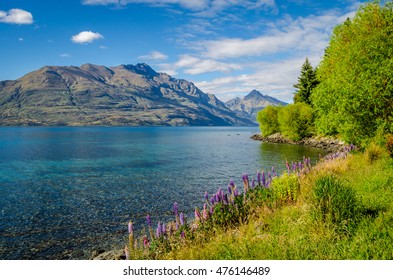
(251,104)
(97,95)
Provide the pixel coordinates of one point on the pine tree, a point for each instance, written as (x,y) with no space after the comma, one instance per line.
(307,81)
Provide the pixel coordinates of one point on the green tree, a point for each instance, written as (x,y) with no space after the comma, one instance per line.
(268,120)
(296,121)
(355,96)
(307,81)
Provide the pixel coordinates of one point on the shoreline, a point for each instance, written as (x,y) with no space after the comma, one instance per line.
(331,145)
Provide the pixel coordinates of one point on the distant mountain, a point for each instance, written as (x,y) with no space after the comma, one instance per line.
(251,104)
(97,95)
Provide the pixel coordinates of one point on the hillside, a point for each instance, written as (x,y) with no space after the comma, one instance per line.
(97,95)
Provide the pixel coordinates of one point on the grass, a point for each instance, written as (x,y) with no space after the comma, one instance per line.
(340,209)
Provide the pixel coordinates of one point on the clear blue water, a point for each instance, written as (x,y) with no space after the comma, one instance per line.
(67,191)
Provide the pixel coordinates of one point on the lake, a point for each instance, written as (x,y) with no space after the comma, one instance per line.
(66,191)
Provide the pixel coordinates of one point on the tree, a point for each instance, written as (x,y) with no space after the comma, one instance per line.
(355,96)
(268,120)
(296,121)
(307,81)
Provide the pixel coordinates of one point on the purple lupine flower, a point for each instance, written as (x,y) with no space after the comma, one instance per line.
(183,234)
(146,242)
(130,227)
(293,166)
(211,210)
(212,200)
(158,230)
(263,179)
(163,228)
(127,253)
(206,196)
(287,165)
(253,183)
(225,200)
(231,184)
(229,189)
(205,214)
(245,183)
(175,209)
(259,178)
(235,192)
(197,214)
(148,220)
(182,218)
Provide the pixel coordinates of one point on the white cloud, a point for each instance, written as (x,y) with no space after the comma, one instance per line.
(85,37)
(65,55)
(203,7)
(20,39)
(154,55)
(193,65)
(16,16)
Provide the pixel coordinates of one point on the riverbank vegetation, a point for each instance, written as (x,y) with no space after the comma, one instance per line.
(349,95)
(341,208)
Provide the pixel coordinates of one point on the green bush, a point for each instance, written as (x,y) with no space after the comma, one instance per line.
(336,203)
(296,121)
(268,120)
(285,188)
(374,152)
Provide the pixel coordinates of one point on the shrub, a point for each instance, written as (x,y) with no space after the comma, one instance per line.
(389,143)
(335,203)
(296,121)
(268,120)
(374,152)
(285,188)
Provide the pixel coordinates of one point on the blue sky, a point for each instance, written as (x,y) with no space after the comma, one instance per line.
(226,47)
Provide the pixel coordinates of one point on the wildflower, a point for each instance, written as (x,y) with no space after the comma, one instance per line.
(148,220)
(235,192)
(163,228)
(245,183)
(182,218)
(263,179)
(183,235)
(146,242)
(158,230)
(175,209)
(259,178)
(253,183)
(205,214)
(130,227)
(287,165)
(206,196)
(231,184)
(127,252)
(197,214)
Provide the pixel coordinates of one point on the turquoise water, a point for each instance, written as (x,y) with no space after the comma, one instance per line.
(67,191)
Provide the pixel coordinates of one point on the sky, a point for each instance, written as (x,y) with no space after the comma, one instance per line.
(226,47)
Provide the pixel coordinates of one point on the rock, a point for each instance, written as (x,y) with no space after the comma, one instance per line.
(331,145)
(117,254)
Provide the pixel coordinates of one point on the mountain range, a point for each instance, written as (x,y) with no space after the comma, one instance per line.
(124,95)
(251,104)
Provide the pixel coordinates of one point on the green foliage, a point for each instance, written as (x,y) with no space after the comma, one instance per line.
(285,188)
(374,152)
(355,94)
(296,121)
(335,203)
(389,144)
(268,120)
(307,81)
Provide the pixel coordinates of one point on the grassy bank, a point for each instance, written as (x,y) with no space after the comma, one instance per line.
(342,208)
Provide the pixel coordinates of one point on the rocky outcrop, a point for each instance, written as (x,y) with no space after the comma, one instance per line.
(329,144)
